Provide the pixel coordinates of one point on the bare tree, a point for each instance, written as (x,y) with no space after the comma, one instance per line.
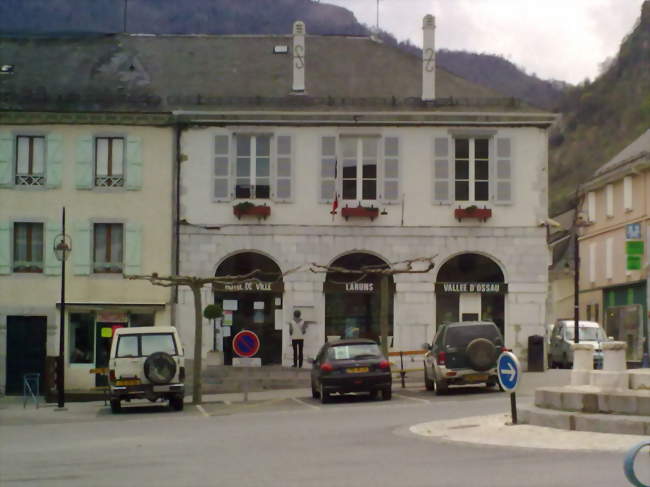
(196,284)
(384,271)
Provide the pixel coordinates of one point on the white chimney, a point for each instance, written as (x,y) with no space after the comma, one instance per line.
(298,56)
(429,58)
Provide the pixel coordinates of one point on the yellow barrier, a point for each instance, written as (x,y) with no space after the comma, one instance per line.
(402,371)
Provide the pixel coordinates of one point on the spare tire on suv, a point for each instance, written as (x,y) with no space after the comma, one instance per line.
(159,368)
(481,354)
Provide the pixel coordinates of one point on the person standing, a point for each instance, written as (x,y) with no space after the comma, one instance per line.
(298,330)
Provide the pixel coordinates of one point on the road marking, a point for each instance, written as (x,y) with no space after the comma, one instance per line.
(200,408)
(299,401)
(417,399)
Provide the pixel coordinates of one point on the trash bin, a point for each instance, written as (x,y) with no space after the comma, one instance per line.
(535,353)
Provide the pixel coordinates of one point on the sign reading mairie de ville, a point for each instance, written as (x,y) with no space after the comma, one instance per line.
(472,287)
(251,286)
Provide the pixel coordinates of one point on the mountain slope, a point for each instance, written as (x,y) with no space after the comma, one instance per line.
(601,118)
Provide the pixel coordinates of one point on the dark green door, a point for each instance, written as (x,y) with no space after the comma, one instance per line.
(26,344)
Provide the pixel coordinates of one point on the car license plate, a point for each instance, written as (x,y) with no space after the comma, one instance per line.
(357,370)
(476,377)
(128,382)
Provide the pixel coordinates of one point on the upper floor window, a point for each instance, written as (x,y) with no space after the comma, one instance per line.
(108,247)
(471,165)
(253,166)
(109,162)
(359,168)
(28,247)
(30,160)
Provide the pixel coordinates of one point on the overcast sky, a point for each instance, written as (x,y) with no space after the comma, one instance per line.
(555,39)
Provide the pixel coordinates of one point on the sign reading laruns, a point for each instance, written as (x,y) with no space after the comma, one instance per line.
(472,287)
(248,287)
(359,287)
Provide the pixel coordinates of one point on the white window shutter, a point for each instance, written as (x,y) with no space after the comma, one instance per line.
(502,172)
(390,170)
(609,200)
(5,247)
(85,159)
(591,206)
(132,248)
(609,258)
(6,158)
(592,262)
(54,161)
(134,163)
(52,266)
(328,169)
(283,184)
(81,251)
(442,171)
(627,193)
(222,190)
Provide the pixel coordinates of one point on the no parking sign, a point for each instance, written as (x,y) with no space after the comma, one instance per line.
(245,343)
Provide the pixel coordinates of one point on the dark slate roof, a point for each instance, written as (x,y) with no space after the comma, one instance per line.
(636,150)
(155,73)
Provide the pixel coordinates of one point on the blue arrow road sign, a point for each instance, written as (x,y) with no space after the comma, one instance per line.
(509,371)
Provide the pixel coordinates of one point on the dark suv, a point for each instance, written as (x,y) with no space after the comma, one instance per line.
(463,353)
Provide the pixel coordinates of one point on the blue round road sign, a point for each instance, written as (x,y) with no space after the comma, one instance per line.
(245,343)
(509,371)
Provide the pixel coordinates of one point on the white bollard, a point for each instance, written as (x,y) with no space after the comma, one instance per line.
(614,373)
(583,363)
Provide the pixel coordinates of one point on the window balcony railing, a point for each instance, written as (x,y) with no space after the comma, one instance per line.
(481,214)
(109,181)
(25,266)
(247,208)
(360,212)
(30,180)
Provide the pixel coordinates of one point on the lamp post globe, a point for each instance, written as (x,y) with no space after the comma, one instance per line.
(62,249)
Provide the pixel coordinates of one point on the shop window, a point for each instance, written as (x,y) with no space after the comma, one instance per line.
(81,338)
(28,247)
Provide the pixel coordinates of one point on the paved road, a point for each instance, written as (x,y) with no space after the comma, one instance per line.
(275,440)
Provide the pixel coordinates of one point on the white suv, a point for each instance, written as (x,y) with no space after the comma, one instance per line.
(146,363)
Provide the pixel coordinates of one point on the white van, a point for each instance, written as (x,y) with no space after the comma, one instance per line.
(147,363)
(563,336)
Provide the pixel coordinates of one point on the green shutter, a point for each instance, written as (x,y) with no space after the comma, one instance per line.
(81,244)
(134,163)
(133,248)
(6,158)
(52,264)
(5,248)
(84,169)
(54,162)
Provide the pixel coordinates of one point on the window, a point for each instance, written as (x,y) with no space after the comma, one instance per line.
(253,166)
(359,168)
(471,164)
(627,193)
(127,346)
(30,160)
(28,247)
(108,247)
(159,342)
(109,162)
(82,338)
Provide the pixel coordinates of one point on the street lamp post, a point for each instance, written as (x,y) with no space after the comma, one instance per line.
(62,248)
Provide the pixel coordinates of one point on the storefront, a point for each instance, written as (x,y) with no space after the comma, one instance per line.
(470,287)
(352,300)
(625,316)
(251,304)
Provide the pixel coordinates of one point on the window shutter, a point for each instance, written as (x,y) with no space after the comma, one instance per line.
(592,262)
(82,243)
(609,258)
(222,168)
(627,193)
(5,247)
(609,200)
(84,169)
(591,206)
(52,264)
(442,171)
(134,163)
(54,162)
(328,169)
(391,170)
(6,158)
(133,248)
(283,169)
(502,186)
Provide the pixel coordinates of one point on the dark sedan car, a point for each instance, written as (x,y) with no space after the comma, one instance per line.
(355,365)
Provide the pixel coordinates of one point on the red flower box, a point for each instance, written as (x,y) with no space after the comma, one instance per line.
(472,212)
(259,211)
(360,212)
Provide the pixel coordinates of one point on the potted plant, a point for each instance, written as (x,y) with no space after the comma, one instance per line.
(360,212)
(249,208)
(472,211)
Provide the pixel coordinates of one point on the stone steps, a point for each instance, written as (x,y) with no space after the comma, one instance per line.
(222,379)
(593,400)
(576,421)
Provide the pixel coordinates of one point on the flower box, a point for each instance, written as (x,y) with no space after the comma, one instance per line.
(481,214)
(360,212)
(250,209)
